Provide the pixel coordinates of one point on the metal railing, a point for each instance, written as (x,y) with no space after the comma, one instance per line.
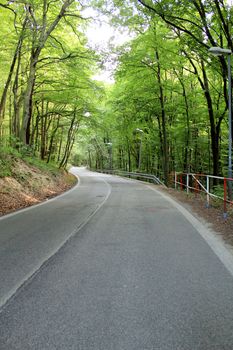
(200,183)
(143,176)
(197,183)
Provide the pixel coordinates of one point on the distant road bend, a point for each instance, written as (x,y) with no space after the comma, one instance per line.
(113,264)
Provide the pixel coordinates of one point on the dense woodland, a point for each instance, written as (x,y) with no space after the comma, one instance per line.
(167,109)
(46,86)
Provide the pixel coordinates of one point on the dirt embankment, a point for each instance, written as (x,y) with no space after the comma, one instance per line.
(28,185)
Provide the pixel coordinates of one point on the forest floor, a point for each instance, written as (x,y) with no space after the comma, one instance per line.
(27,184)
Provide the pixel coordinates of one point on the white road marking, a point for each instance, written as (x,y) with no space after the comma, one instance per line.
(36,269)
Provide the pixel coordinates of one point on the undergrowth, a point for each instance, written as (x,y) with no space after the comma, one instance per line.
(40,164)
(5,167)
(10,155)
(7,157)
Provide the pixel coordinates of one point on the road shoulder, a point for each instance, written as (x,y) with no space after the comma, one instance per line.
(214,239)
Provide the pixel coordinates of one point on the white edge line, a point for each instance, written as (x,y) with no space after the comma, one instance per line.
(222,251)
(37,268)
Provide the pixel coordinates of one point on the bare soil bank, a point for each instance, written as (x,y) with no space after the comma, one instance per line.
(28,185)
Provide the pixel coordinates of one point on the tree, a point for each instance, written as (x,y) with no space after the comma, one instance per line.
(196,25)
(200,25)
(48,87)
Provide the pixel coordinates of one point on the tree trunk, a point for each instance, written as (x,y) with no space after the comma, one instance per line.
(17,100)
(129,156)
(27,112)
(51,141)
(163,119)
(14,59)
(60,145)
(69,141)
(215,131)
(186,160)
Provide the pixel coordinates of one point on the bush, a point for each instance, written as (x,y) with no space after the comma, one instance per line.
(218,191)
(5,166)
(8,155)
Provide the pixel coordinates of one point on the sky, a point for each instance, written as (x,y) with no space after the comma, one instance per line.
(99,34)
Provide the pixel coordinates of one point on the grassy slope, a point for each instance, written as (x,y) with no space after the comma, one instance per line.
(27,181)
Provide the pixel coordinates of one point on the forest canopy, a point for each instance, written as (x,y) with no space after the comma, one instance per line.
(167,109)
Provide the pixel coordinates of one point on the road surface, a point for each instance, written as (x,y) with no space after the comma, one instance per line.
(112,265)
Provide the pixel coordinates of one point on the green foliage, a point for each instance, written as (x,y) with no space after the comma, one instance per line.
(5,166)
(168,86)
(34,161)
(45,85)
(7,156)
(218,191)
(165,85)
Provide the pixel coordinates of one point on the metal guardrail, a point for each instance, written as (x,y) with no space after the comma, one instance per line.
(151,177)
(192,182)
(201,184)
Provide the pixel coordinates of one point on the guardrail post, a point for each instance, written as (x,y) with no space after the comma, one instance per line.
(225,199)
(181,181)
(187,183)
(196,185)
(207,191)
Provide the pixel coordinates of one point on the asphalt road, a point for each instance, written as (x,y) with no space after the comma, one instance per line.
(134,274)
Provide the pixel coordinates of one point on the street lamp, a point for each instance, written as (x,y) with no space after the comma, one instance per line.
(140,147)
(218,51)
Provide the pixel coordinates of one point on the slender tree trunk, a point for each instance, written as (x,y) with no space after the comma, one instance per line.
(17,100)
(160,152)
(7,84)
(27,112)
(69,141)
(51,141)
(186,160)
(163,119)
(60,145)
(215,129)
(12,67)
(129,156)
(44,129)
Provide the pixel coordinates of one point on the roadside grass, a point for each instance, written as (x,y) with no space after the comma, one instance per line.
(7,157)
(8,163)
(42,165)
(5,167)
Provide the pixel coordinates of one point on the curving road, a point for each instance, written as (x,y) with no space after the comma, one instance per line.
(113,265)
